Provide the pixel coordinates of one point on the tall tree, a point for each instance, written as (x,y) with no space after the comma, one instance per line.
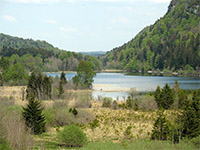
(165,97)
(85,75)
(190,117)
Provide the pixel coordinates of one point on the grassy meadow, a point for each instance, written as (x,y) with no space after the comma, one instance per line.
(105,128)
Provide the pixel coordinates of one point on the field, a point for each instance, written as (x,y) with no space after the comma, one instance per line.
(120,129)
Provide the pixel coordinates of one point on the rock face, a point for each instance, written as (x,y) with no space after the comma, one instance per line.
(172,42)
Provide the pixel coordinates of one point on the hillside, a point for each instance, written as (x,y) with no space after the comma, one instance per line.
(172,42)
(40,55)
(16,42)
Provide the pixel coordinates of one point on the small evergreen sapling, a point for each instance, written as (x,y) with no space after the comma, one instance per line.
(33,116)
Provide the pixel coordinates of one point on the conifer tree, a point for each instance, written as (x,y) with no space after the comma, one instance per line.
(165,97)
(161,128)
(39,86)
(63,78)
(60,89)
(190,118)
(33,116)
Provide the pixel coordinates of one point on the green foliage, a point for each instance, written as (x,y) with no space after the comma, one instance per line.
(85,75)
(165,97)
(40,56)
(16,74)
(130,102)
(34,117)
(74,112)
(196,142)
(61,90)
(161,128)
(63,78)
(94,123)
(127,132)
(190,117)
(72,136)
(39,86)
(107,102)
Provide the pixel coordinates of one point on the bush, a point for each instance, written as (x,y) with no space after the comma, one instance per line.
(107,102)
(14,130)
(130,102)
(72,136)
(196,142)
(114,105)
(60,116)
(83,100)
(147,102)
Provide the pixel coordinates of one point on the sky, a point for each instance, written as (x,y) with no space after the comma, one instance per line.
(79,25)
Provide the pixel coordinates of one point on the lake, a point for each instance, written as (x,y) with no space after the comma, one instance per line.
(116,85)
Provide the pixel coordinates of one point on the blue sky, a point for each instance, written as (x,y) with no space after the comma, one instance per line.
(79,25)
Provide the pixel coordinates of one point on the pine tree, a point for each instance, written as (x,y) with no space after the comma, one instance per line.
(39,86)
(33,116)
(190,118)
(165,97)
(161,128)
(63,78)
(60,89)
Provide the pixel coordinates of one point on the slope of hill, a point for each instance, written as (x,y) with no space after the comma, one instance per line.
(173,42)
(40,55)
(16,42)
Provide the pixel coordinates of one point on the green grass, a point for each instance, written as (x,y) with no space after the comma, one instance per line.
(138,145)
(126,145)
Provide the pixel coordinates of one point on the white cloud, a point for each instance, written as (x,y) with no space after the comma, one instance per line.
(121,20)
(9,18)
(67,29)
(51,21)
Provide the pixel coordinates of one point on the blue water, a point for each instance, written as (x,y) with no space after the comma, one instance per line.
(141,83)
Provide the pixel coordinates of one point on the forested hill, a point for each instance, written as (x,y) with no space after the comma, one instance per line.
(16,42)
(172,43)
(40,55)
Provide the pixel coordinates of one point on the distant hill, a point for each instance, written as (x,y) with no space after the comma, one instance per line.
(94,53)
(172,42)
(16,42)
(40,55)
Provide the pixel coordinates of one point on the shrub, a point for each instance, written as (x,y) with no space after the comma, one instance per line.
(83,100)
(114,105)
(94,124)
(129,102)
(196,142)
(72,136)
(147,102)
(107,102)
(61,116)
(14,130)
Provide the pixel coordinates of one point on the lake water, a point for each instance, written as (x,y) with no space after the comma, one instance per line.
(116,85)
